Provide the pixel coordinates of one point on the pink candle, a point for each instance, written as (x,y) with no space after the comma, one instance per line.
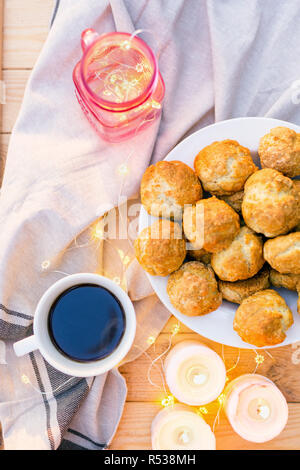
(195,374)
(255,408)
(178,427)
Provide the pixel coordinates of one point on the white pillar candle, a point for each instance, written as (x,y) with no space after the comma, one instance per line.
(179,428)
(255,408)
(195,374)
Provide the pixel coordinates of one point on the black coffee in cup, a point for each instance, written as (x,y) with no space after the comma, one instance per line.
(86,323)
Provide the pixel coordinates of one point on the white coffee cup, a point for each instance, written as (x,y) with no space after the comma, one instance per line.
(41,339)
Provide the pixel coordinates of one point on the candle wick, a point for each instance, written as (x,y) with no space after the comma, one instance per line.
(263,411)
(199,379)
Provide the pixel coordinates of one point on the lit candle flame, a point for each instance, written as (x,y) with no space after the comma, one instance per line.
(184,437)
(199,379)
(263,411)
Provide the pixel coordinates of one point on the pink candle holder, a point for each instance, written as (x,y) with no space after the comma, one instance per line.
(118,84)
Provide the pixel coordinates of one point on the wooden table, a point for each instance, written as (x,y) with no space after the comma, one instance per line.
(25,30)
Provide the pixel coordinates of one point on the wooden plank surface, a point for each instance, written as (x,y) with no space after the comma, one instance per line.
(26,25)
(279,368)
(25,30)
(133,436)
(1,35)
(15,82)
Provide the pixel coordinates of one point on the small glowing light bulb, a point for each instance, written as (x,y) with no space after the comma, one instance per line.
(98,233)
(168,401)
(221,399)
(125,45)
(126,260)
(259,359)
(202,410)
(175,329)
(45,264)
(139,67)
(113,78)
(123,169)
(25,379)
(155,105)
(151,340)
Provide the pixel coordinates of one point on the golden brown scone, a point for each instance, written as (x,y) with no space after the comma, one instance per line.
(263,318)
(242,259)
(167,186)
(297,186)
(280,149)
(160,248)
(199,255)
(193,289)
(224,166)
(271,204)
(235,201)
(238,291)
(283,253)
(210,224)
(289,281)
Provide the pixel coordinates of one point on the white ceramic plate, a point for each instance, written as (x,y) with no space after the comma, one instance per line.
(217,325)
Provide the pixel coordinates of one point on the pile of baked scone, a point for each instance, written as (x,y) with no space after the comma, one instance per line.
(233,243)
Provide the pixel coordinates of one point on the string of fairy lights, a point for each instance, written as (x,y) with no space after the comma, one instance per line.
(97,236)
(169,400)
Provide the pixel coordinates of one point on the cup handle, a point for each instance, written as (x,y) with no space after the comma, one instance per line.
(25,346)
(88,36)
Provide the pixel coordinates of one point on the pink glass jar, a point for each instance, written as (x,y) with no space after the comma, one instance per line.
(118,84)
